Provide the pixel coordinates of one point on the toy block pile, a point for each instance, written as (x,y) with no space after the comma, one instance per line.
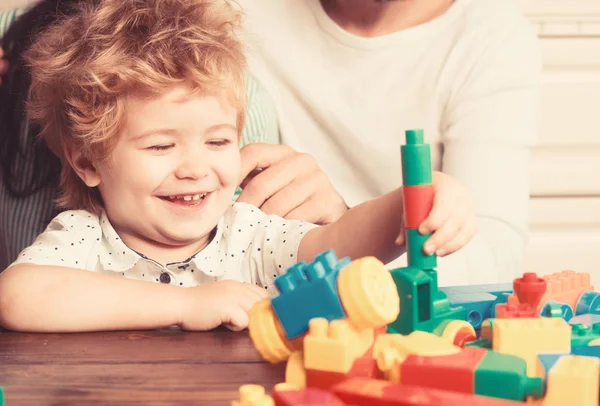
(355,333)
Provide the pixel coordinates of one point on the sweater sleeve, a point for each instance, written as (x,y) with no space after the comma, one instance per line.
(489,127)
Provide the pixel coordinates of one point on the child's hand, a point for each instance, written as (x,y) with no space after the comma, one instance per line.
(225,302)
(452,219)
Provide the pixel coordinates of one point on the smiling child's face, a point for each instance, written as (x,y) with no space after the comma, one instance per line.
(173,172)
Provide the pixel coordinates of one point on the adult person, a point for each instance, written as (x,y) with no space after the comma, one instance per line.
(350,76)
(30,173)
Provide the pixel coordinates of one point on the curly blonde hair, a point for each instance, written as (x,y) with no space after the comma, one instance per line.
(85,65)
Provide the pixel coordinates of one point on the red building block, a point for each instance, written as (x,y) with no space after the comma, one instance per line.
(418,201)
(370,392)
(530,289)
(455,372)
(363,367)
(306,397)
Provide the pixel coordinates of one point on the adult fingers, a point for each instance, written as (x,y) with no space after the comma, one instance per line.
(273,179)
(259,155)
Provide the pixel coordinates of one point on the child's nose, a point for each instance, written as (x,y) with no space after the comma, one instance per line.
(192,166)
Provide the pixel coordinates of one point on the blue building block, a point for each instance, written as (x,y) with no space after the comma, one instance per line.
(587,351)
(479,301)
(589,302)
(307,291)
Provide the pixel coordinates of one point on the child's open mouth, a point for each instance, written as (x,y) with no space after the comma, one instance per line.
(186,200)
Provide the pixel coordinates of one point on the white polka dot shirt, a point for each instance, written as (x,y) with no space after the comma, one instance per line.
(249,246)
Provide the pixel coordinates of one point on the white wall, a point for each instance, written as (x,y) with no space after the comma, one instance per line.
(565,203)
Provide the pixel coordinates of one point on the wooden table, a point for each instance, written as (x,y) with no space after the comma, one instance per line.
(164,367)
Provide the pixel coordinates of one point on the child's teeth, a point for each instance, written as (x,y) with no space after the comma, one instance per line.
(196,197)
(187,198)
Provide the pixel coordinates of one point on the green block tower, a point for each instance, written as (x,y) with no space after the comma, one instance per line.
(416,171)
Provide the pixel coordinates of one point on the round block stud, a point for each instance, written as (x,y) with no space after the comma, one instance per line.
(267,333)
(368,293)
(530,289)
(553,308)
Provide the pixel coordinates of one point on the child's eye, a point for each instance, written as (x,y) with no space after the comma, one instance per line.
(219,142)
(161,147)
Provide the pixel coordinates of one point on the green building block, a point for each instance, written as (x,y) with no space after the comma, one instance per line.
(582,335)
(505,376)
(416,160)
(1,396)
(481,343)
(414,249)
(423,306)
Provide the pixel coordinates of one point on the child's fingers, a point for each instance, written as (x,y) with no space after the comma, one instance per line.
(438,215)
(464,235)
(443,234)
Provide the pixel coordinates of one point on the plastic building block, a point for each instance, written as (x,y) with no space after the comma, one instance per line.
(588,303)
(505,376)
(587,351)
(370,392)
(454,372)
(1,396)
(416,159)
(459,332)
(308,291)
(418,201)
(556,309)
(585,319)
(295,373)
(253,395)
(334,346)
(414,250)
(529,289)
(363,367)
(563,287)
(391,350)
(423,306)
(369,295)
(526,338)
(583,335)
(515,311)
(459,293)
(478,306)
(267,333)
(573,380)
(305,397)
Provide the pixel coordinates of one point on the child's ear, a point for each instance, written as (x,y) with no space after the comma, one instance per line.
(82,165)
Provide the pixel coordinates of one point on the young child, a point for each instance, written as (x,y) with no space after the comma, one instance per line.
(143,100)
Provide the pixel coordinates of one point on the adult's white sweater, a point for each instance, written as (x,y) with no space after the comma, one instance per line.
(469,78)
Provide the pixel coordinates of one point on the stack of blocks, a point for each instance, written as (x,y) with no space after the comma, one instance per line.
(354,333)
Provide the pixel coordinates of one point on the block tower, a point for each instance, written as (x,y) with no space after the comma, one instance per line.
(418,197)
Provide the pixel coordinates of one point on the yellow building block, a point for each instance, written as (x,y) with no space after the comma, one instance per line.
(368,293)
(334,346)
(253,395)
(295,374)
(573,380)
(267,334)
(390,350)
(528,337)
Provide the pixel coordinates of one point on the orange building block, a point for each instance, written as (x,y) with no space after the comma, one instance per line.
(515,311)
(363,367)
(418,201)
(563,287)
(370,392)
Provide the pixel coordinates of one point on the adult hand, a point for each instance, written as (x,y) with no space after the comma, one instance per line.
(3,65)
(289,184)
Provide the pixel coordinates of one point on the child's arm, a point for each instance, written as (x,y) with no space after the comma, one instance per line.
(56,299)
(369,229)
(372,228)
(37,298)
